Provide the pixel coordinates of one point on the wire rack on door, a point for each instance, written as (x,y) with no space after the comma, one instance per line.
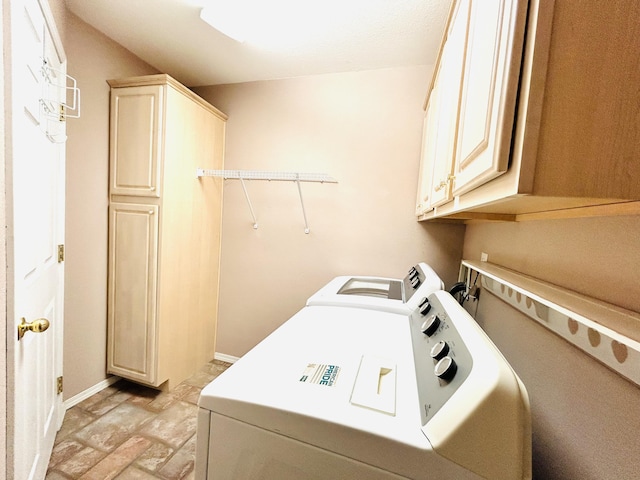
(59,100)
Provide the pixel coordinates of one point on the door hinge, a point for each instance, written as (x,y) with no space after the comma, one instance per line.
(63,114)
(60,385)
(60,253)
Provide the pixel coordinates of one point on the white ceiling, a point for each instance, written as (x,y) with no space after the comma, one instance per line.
(289,37)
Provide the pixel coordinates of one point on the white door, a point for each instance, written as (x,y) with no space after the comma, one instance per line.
(36,276)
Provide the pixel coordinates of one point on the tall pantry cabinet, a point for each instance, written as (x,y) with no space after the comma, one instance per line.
(164,230)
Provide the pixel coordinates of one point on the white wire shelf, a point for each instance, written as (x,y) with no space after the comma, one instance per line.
(267,175)
(243,175)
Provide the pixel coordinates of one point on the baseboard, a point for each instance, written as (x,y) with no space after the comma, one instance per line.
(76,399)
(226,358)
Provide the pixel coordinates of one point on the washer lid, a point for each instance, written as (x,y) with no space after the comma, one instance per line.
(380,293)
(361,292)
(373,287)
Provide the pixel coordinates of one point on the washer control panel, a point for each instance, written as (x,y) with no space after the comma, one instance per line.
(412,281)
(442,360)
(420,275)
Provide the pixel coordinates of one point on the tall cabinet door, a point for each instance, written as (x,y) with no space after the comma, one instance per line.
(136,140)
(447,97)
(427,160)
(133,265)
(489,89)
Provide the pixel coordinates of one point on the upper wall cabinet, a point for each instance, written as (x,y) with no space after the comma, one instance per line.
(438,140)
(541,110)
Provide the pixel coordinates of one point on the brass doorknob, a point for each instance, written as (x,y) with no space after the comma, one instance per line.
(39,325)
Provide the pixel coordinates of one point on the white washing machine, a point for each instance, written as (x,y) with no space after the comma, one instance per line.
(380,293)
(381,396)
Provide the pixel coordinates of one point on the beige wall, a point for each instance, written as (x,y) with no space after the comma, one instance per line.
(598,257)
(364,129)
(92,59)
(585,417)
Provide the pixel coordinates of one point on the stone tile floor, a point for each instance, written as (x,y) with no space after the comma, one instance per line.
(131,432)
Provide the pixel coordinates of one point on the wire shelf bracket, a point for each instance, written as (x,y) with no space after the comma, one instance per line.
(243,175)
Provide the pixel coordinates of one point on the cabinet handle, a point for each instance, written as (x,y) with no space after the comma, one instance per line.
(440,186)
(151,212)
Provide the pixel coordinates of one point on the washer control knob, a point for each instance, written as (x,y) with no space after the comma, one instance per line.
(439,350)
(430,325)
(424,306)
(415,282)
(412,270)
(446,368)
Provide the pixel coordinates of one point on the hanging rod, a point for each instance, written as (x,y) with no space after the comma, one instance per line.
(243,175)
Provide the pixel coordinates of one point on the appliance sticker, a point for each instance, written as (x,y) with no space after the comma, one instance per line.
(320,374)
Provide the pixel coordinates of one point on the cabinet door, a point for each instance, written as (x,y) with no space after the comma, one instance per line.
(447,93)
(133,265)
(425,176)
(136,140)
(490,82)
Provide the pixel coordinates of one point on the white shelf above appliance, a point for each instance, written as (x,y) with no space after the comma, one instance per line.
(243,175)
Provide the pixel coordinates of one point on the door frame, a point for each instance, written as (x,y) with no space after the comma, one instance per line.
(7,327)
(3,251)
